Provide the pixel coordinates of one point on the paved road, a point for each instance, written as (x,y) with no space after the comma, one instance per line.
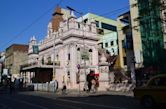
(33,100)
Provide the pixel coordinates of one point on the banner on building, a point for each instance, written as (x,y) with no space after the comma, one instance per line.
(35,49)
(104,69)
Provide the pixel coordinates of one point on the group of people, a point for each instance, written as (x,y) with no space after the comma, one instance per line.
(12,86)
(92,81)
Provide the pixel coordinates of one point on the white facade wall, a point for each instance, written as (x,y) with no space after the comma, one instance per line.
(108,38)
(67,40)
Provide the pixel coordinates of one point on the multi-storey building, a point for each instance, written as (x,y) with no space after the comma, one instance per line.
(125,42)
(123,34)
(15,55)
(107,31)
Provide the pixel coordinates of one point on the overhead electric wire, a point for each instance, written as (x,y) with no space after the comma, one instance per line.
(36,20)
(107,13)
(49,51)
(110,12)
(31,24)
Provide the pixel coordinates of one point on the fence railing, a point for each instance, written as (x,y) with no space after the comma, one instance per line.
(48,87)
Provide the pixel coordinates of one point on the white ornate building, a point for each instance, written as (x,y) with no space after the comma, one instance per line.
(71,50)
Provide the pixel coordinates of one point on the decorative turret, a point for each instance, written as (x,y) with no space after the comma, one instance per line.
(33,40)
(49,30)
(93,25)
(72,14)
(33,50)
(72,20)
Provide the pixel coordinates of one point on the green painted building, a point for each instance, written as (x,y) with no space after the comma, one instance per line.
(107,31)
(151,29)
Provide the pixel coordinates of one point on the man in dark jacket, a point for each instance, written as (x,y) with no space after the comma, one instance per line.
(89,78)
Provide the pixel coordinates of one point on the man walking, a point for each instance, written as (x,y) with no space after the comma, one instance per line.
(90,77)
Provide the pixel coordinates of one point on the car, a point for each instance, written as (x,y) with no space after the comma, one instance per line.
(153,92)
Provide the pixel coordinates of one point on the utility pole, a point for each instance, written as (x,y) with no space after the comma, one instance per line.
(54,59)
(60,14)
(81,14)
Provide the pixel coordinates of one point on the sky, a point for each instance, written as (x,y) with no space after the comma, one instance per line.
(22,19)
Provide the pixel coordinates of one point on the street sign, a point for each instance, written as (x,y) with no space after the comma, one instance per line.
(78,66)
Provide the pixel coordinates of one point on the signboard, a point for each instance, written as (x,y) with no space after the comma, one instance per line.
(85,55)
(35,49)
(78,66)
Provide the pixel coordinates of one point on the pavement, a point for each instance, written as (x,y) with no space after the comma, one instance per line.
(75,93)
(69,93)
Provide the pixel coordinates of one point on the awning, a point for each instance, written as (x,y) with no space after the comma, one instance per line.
(35,67)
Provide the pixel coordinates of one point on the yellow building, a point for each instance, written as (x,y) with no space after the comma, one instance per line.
(16,55)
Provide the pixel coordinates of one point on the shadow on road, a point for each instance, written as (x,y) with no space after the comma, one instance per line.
(104,101)
(121,101)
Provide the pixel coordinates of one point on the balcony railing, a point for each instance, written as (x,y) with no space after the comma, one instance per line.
(57,63)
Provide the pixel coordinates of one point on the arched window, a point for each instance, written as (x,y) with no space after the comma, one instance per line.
(107,52)
(113,51)
(68,74)
(90,56)
(78,49)
(90,50)
(42,59)
(57,56)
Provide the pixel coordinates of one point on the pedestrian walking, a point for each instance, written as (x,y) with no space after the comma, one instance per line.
(11,87)
(89,82)
(90,77)
(64,88)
